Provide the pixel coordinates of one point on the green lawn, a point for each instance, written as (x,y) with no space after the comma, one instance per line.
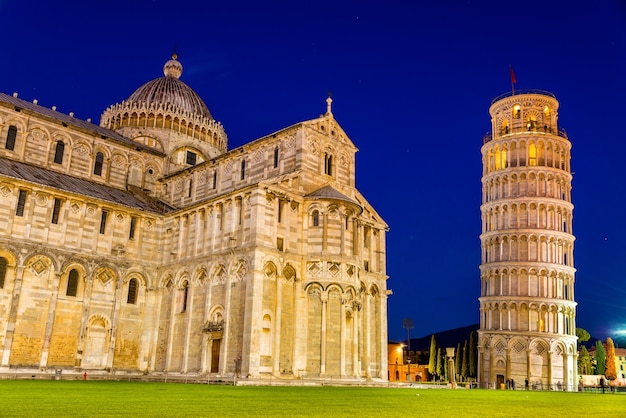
(99,398)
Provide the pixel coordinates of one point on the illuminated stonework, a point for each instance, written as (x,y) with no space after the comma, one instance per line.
(144,246)
(527,309)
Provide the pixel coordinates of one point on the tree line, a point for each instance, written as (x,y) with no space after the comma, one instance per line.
(465,360)
(604,362)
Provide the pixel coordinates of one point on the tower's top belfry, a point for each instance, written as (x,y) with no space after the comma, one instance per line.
(526,111)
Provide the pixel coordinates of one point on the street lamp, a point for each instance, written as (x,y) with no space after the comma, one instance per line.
(408,324)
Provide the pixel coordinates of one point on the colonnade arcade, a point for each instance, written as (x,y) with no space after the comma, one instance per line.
(546,317)
(534,362)
(532,182)
(542,248)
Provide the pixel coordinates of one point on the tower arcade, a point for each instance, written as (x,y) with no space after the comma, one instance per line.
(527,310)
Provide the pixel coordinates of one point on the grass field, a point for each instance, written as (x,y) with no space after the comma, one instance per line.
(98,398)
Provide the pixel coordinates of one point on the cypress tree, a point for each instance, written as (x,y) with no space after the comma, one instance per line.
(611,371)
(584,361)
(439,364)
(432,356)
(458,361)
(465,366)
(600,358)
(472,361)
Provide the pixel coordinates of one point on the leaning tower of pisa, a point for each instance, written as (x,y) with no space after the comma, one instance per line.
(527,332)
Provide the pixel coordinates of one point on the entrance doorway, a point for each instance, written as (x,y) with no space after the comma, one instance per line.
(215,355)
(500,381)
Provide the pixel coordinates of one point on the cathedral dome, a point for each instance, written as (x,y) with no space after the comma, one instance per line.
(170,90)
(166,114)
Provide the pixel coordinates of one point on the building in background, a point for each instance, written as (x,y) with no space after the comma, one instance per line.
(527,310)
(144,245)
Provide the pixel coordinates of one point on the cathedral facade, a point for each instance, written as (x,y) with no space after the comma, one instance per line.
(144,245)
(527,332)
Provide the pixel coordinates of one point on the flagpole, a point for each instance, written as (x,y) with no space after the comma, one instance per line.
(513,80)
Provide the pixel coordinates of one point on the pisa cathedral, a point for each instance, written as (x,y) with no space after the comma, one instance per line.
(143,245)
(527,310)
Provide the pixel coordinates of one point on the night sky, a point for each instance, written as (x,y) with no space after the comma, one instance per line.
(411,83)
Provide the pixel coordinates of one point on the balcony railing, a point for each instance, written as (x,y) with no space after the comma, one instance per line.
(516,130)
(523,91)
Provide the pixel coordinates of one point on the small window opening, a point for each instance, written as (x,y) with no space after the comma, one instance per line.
(21,202)
(132,292)
(185,296)
(276,157)
(55,211)
(58,152)
(97,167)
(103,221)
(11,135)
(316,218)
(72,283)
(243,169)
(3,271)
(280,244)
(191,158)
(133,226)
(328,164)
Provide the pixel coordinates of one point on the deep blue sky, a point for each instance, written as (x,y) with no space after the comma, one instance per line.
(412,82)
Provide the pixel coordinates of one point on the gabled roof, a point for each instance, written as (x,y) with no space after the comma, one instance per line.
(72,121)
(66,183)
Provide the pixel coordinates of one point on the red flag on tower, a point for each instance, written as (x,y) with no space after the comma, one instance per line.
(513,80)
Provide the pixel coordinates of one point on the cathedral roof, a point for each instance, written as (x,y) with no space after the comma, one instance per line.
(41,176)
(171,91)
(53,114)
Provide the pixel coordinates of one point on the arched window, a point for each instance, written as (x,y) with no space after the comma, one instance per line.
(3,271)
(97,167)
(328,164)
(72,283)
(243,169)
(316,218)
(266,336)
(58,152)
(132,291)
(532,154)
(185,296)
(11,135)
(516,111)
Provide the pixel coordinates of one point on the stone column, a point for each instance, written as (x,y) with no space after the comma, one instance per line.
(508,363)
(492,371)
(43,360)
(550,369)
(528,364)
(188,312)
(342,339)
(325,232)
(277,325)
(170,336)
(324,299)
(115,316)
(356,338)
(84,317)
(479,371)
(15,301)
